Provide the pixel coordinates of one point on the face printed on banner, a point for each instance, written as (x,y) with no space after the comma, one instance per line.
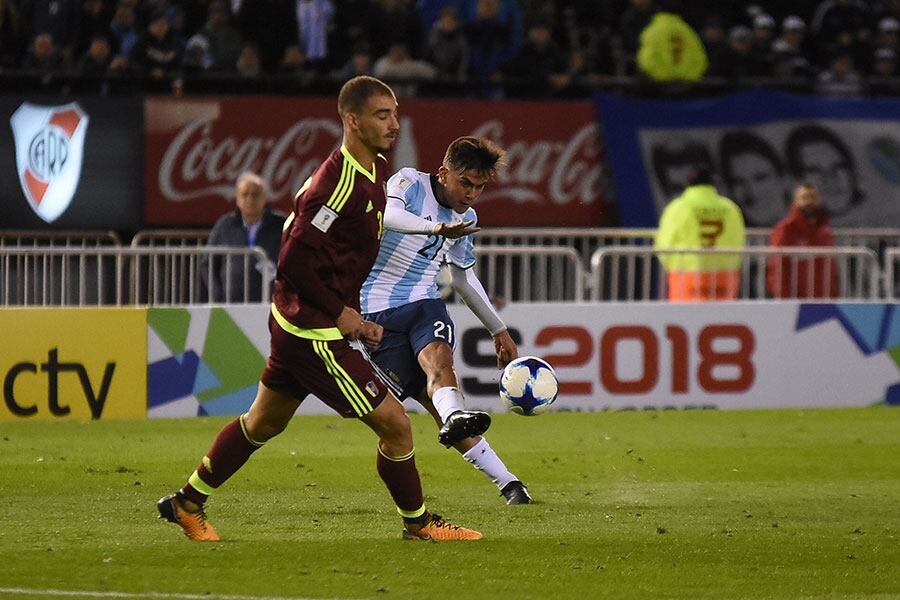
(825,168)
(818,155)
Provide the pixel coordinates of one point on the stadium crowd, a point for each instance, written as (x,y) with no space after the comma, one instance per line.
(513,47)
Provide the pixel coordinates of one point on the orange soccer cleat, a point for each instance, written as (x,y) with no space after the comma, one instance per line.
(195,525)
(439,530)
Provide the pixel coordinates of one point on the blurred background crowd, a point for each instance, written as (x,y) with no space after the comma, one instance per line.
(492,48)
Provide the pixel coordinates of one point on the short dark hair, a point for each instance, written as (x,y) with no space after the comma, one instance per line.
(736,143)
(477,153)
(354,94)
(683,153)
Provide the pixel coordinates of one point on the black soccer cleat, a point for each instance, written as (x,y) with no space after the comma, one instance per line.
(515,492)
(463,424)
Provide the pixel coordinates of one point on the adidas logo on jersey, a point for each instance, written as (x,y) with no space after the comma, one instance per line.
(369,207)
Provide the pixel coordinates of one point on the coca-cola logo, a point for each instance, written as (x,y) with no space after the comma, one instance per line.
(205,153)
(570,169)
(197,165)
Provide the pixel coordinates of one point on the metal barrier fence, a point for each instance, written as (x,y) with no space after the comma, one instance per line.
(619,274)
(170,238)
(892,274)
(30,238)
(531,273)
(588,240)
(50,276)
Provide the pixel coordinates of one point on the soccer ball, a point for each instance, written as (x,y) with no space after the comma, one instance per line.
(528,386)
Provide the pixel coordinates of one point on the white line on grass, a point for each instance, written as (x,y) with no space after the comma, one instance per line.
(159,595)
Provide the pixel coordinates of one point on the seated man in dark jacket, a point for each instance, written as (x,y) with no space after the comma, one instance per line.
(250,224)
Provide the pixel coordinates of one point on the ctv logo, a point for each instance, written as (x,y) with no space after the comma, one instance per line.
(24,404)
(49,151)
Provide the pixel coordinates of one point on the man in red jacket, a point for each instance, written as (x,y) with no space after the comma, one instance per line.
(807,224)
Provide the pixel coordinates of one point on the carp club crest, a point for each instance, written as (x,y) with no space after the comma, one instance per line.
(49,151)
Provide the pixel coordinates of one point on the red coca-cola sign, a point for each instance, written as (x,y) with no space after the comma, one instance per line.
(195,150)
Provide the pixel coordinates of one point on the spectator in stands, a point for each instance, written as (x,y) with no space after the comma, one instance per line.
(295,64)
(93,21)
(671,50)
(448,49)
(817,155)
(763,39)
(395,22)
(248,63)
(156,53)
(99,61)
(197,58)
(123,29)
(793,38)
(10,35)
(806,225)
(884,73)
(535,65)
(490,40)
(313,19)
(713,34)
(701,219)
(840,79)
(754,175)
(223,39)
(43,56)
(250,224)
(634,20)
(270,26)
(737,60)
(397,64)
(888,35)
(56,18)
(360,63)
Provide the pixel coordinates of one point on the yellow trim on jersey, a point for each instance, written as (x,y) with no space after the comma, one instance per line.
(349,157)
(288,221)
(200,485)
(343,188)
(406,456)
(351,391)
(412,514)
(323,333)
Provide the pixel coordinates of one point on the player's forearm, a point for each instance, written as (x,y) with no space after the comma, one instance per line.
(473,294)
(397,218)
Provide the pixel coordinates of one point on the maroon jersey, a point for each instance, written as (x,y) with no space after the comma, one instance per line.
(329,245)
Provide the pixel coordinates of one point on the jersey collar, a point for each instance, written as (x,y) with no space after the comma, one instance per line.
(355,164)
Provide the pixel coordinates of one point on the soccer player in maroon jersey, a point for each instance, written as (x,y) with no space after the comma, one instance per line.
(329,244)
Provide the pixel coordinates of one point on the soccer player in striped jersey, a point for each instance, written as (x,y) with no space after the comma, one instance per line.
(328,248)
(429,220)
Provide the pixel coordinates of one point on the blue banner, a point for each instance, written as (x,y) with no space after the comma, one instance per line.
(760,144)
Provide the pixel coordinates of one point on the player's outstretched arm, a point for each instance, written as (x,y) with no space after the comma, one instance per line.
(451,231)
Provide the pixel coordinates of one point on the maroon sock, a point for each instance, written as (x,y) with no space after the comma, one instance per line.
(402,480)
(228,453)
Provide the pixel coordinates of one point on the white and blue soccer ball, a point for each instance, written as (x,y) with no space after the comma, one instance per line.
(528,386)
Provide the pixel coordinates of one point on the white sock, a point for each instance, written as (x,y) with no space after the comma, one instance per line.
(447,400)
(483,458)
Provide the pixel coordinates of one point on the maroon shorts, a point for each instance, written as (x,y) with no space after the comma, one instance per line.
(335,372)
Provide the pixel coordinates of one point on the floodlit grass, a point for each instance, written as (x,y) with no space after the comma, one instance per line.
(751,504)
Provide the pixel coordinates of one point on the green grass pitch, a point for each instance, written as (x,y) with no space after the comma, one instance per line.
(694,504)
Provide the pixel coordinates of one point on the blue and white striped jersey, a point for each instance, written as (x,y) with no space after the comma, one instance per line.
(407,266)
